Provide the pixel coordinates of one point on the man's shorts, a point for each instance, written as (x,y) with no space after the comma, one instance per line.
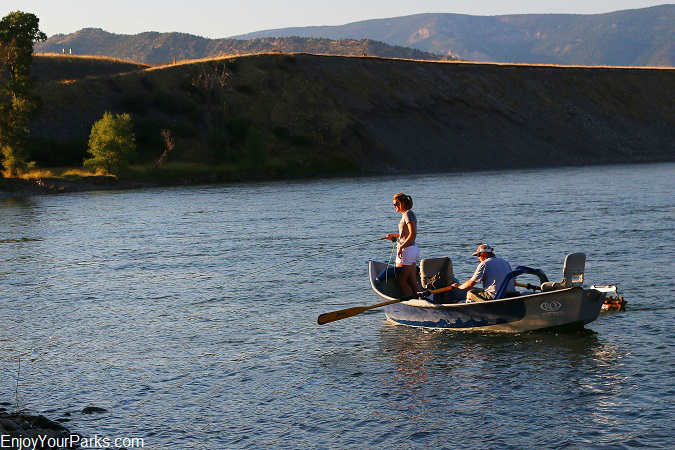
(478,295)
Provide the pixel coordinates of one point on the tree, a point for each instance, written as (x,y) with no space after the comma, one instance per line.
(111,142)
(168,147)
(18,32)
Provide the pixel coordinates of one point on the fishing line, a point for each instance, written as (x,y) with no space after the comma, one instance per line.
(391,256)
(313,255)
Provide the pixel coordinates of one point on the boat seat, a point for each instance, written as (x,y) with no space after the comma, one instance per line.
(573,273)
(437,273)
(431,267)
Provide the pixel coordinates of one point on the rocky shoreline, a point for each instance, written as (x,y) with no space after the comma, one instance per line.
(15,187)
(22,430)
(26,431)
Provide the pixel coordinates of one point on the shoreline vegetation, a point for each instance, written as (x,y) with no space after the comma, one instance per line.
(68,180)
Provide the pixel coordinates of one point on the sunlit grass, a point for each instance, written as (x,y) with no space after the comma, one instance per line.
(75,58)
(57,173)
(83,173)
(35,174)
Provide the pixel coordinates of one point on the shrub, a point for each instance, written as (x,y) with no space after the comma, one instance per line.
(111,142)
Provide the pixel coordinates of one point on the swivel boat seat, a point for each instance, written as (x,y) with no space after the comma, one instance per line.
(573,273)
(436,273)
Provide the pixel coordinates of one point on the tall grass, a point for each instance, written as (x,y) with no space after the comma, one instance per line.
(65,173)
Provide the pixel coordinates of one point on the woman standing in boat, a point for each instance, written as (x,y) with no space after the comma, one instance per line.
(407,252)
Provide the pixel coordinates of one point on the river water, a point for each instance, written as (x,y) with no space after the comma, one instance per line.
(145,303)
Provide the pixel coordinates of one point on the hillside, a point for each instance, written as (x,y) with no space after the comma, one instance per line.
(158,48)
(280,113)
(638,37)
(47,68)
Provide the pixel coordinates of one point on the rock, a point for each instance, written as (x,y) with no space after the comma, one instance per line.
(31,426)
(93,410)
(7,424)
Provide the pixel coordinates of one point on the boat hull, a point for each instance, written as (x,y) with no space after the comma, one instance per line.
(562,308)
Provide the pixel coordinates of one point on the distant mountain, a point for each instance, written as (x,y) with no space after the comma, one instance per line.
(638,37)
(153,47)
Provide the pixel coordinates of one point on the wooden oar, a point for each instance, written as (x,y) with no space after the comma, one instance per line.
(350,312)
(528,286)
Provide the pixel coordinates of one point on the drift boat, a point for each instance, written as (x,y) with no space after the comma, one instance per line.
(559,304)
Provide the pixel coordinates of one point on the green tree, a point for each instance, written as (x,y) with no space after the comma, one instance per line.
(18,32)
(111,142)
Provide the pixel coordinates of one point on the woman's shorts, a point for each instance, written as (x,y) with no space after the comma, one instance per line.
(410,255)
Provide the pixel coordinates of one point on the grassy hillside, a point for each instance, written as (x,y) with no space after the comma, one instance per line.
(639,37)
(277,115)
(58,67)
(157,48)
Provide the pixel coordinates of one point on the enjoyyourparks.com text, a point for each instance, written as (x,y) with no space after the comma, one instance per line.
(71,441)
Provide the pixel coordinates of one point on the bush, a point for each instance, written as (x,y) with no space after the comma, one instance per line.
(111,143)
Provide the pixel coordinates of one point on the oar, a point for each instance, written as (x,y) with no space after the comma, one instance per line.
(350,312)
(528,286)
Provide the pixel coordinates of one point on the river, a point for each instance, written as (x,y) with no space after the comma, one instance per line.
(145,303)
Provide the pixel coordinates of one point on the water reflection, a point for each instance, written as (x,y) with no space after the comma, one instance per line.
(476,377)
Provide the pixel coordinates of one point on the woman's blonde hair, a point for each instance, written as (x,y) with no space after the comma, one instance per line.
(405,200)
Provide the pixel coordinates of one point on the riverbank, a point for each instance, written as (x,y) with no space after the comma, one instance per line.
(166,177)
(17,187)
(19,430)
(171,175)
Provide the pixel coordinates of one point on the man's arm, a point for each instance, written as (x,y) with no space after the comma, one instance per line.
(467,284)
(471,282)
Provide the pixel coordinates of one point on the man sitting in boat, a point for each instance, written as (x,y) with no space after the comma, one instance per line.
(491,271)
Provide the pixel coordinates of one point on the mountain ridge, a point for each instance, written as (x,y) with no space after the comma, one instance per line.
(634,37)
(153,47)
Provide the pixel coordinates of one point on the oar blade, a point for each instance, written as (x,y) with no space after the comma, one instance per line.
(342,314)
(350,312)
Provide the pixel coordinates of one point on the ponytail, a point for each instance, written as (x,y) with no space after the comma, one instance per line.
(405,199)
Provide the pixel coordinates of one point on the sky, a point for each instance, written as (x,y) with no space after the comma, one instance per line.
(224,18)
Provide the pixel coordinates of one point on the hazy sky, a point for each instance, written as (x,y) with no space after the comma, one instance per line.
(223,18)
